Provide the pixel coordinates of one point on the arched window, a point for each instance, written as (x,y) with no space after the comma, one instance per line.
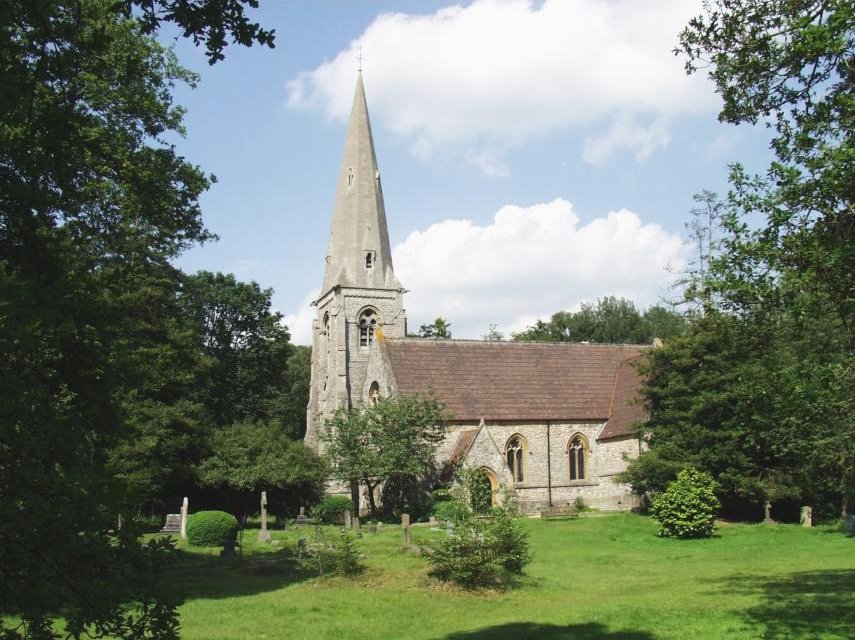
(516,460)
(577,449)
(367,327)
(374,393)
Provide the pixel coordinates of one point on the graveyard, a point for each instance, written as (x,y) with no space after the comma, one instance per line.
(599,576)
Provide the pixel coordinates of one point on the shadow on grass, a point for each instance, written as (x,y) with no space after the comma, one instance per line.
(534,630)
(808,604)
(195,576)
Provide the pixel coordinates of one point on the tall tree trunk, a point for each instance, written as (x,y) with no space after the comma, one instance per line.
(371,503)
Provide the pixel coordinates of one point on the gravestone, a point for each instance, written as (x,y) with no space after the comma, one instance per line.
(850,523)
(302,518)
(807,517)
(264,534)
(405,525)
(185,508)
(767,509)
(356,525)
(172,524)
(348,519)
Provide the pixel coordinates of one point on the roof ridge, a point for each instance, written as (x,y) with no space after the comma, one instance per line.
(414,340)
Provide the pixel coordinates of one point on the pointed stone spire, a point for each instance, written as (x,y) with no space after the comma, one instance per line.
(358,254)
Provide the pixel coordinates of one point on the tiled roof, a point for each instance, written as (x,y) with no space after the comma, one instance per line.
(520,380)
(462,446)
(626,410)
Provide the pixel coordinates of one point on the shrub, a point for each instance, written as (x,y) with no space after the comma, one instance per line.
(331,508)
(452,511)
(211,529)
(511,542)
(687,507)
(327,553)
(465,557)
(480,553)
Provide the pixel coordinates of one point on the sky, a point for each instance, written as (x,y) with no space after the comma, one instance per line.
(535,155)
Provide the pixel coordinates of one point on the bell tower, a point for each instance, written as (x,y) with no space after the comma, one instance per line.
(361,299)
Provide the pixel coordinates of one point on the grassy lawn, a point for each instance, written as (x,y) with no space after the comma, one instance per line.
(597,577)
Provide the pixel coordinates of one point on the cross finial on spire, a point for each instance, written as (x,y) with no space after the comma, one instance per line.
(360,58)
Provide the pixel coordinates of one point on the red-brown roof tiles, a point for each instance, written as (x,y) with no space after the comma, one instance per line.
(518,380)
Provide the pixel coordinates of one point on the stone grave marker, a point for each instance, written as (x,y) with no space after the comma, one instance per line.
(172,524)
(356,526)
(264,534)
(850,523)
(807,517)
(185,508)
(405,525)
(767,510)
(302,518)
(348,519)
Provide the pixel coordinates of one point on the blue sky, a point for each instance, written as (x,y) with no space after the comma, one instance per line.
(535,155)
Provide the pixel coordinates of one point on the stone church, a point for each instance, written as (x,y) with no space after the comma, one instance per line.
(546,422)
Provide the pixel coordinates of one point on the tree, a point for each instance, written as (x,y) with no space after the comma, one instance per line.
(393,440)
(93,207)
(440,329)
(611,320)
(246,342)
(790,65)
(493,334)
(248,458)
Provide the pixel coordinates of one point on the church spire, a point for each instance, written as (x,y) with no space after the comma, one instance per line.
(358,254)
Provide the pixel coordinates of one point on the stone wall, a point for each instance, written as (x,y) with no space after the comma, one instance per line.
(546,468)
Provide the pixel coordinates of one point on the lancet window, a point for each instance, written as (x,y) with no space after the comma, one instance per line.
(515,451)
(577,449)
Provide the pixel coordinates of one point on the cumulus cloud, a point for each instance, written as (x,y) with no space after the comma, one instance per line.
(479,79)
(300,322)
(530,262)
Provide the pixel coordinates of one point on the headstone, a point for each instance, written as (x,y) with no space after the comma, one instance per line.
(348,519)
(767,510)
(807,517)
(185,508)
(264,534)
(172,524)
(356,525)
(301,519)
(405,525)
(850,523)
(432,520)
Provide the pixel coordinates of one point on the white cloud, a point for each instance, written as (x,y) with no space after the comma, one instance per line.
(493,73)
(625,133)
(300,323)
(529,263)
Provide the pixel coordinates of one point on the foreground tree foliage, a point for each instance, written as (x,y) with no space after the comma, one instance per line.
(761,394)
(92,209)
(610,320)
(393,441)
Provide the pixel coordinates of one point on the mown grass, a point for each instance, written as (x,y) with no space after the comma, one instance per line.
(596,577)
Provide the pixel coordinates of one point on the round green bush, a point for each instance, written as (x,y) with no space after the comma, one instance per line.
(211,529)
(687,507)
(332,507)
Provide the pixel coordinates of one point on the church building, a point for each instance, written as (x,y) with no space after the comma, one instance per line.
(547,423)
